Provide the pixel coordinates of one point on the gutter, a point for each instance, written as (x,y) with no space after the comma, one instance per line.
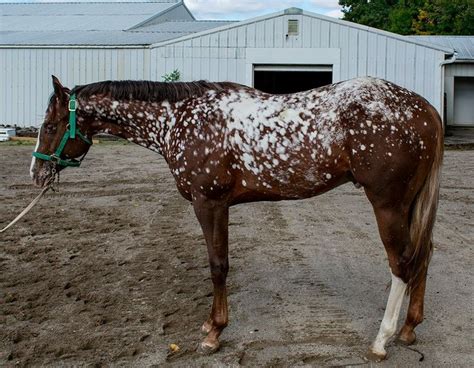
(442,65)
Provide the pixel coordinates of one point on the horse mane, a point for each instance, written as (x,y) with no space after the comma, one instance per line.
(151,91)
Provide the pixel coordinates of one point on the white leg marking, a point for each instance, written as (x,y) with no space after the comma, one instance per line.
(33,160)
(388,326)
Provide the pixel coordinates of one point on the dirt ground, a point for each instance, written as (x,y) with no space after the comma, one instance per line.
(113,269)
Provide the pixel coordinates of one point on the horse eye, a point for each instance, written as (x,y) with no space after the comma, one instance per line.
(50,128)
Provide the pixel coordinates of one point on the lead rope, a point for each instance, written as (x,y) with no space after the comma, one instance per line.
(49,185)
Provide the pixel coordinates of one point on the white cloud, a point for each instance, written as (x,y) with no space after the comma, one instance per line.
(328,4)
(245,9)
(237,6)
(336,13)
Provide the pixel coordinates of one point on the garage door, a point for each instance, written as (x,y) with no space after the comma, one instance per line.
(464,101)
(279,79)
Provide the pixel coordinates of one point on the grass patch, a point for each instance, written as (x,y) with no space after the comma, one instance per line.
(17,143)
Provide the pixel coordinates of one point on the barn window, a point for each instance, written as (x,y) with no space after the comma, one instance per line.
(293,27)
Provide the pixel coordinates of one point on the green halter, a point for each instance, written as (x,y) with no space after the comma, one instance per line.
(70,133)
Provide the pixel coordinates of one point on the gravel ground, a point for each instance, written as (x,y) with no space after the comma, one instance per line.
(113,269)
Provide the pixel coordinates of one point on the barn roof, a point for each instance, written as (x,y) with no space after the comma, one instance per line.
(463,45)
(137,37)
(96,23)
(80,16)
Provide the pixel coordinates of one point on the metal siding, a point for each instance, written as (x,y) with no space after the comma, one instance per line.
(223,39)
(420,65)
(325,34)
(460,70)
(352,63)
(372,54)
(279,32)
(260,34)
(315,33)
(411,67)
(241,36)
(269,33)
(391,55)
(306,33)
(362,39)
(232,38)
(429,75)
(381,57)
(26,76)
(401,63)
(343,44)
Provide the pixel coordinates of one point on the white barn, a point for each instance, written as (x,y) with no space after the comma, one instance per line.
(281,52)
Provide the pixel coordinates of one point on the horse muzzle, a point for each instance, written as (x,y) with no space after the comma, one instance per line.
(44,174)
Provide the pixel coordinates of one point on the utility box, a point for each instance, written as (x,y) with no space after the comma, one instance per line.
(6,134)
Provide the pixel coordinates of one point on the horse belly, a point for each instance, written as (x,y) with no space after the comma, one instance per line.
(294,178)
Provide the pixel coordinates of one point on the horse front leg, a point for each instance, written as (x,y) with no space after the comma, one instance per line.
(213,215)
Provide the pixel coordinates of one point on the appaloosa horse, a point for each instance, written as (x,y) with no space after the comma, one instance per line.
(227,144)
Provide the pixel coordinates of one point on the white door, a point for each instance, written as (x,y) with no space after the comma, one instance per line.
(464,101)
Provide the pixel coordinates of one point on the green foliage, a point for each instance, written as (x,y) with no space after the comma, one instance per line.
(174,76)
(425,17)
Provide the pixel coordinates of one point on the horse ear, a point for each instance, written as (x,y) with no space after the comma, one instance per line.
(59,90)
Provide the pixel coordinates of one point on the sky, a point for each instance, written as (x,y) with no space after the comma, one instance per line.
(244,9)
(241,9)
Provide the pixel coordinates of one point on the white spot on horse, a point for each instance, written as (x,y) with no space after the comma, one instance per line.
(244,183)
(362,147)
(328,176)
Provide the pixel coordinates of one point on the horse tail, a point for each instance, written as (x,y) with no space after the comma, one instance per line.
(423,214)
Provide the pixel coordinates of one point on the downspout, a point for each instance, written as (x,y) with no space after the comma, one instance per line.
(442,65)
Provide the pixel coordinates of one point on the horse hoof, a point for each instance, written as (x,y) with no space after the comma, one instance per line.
(374,356)
(207,349)
(407,338)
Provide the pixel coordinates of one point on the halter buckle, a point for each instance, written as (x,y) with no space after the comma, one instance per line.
(55,159)
(72,105)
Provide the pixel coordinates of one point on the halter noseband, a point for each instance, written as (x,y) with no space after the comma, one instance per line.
(70,133)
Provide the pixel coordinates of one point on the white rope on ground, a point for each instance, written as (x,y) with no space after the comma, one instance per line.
(27,209)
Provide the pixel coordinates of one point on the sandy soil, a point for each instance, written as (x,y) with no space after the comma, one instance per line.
(113,269)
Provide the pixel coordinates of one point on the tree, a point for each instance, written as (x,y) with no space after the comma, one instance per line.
(174,76)
(445,17)
(442,17)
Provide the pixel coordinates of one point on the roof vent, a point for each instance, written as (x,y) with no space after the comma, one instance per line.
(293,11)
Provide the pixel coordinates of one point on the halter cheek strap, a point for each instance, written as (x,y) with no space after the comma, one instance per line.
(70,133)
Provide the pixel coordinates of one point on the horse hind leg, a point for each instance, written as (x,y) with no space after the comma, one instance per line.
(407,334)
(394,230)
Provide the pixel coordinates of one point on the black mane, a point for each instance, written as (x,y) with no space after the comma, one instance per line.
(151,91)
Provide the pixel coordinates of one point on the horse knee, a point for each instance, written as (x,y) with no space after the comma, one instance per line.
(219,270)
(399,265)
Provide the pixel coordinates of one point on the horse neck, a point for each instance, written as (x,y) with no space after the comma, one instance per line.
(142,122)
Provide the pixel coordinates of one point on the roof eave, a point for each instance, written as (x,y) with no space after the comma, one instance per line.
(163,12)
(446,50)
